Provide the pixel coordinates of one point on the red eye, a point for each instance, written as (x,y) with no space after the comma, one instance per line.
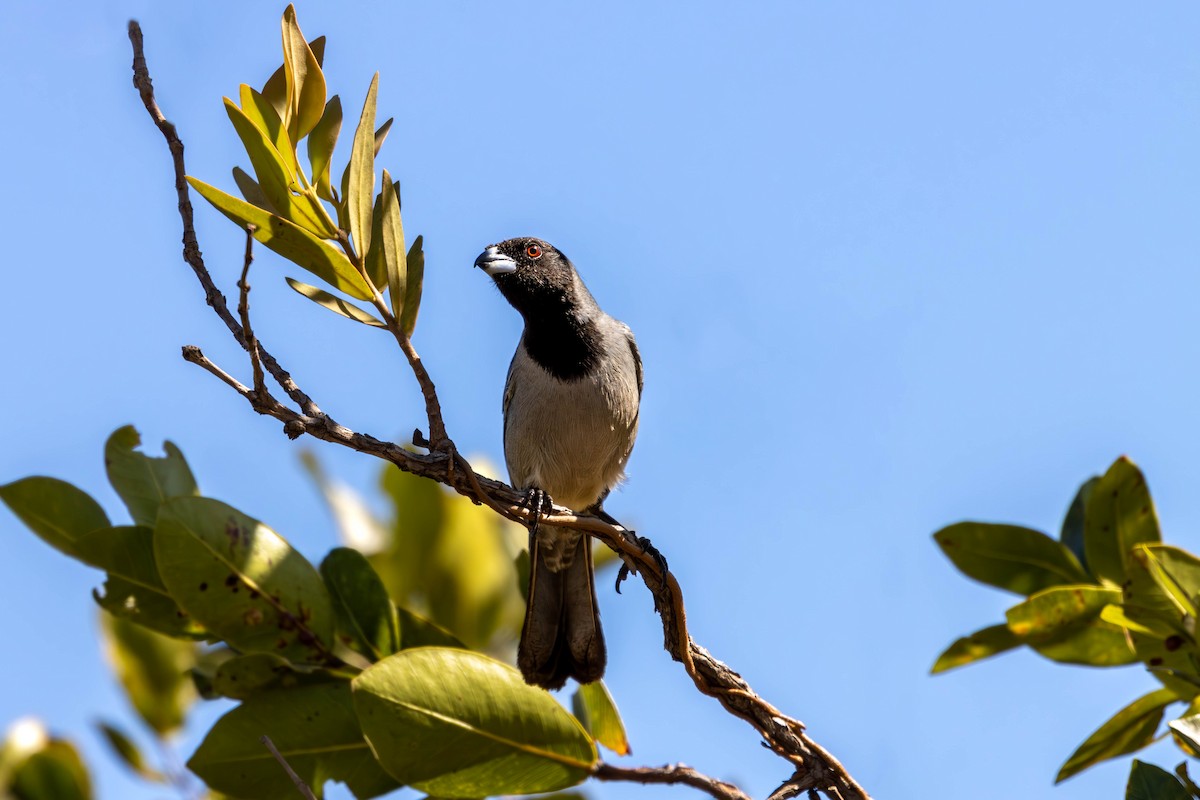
(533,251)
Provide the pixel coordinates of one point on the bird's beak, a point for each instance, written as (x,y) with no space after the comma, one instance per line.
(494,263)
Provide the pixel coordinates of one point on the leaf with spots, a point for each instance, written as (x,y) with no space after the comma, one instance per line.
(1064,624)
(242,581)
(316,731)
(1120,515)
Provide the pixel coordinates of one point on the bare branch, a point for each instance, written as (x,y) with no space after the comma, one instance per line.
(814,767)
(671,773)
(300,785)
(244,312)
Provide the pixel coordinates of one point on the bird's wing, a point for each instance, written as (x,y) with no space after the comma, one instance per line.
(637,356)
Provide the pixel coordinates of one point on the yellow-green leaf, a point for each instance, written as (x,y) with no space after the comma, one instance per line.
(275,89)
(129,753)
(55,510)
(981,644)
(334,303)
(252,191)
(412,291)
(315,730)
(458,724)
(321,142)
(152,669)
(595,708)
(145,482)
(264,116)
(1010,557)
(360,189)
(305,81)
(1120,514)
(392,234)
(54,772)
(291,241)
(1129,730)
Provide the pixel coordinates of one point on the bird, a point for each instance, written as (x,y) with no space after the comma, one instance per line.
(571,404)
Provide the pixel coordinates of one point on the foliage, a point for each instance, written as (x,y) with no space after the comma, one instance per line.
(338,665)
(1106,593)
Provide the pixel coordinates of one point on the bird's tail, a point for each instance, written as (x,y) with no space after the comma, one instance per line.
(561,637)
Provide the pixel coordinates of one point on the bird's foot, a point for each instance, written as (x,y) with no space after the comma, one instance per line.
(538,504)
(646,547)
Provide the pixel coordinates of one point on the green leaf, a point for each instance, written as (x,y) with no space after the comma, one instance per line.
(1120,514)
(56,772)
(381,135)
(1063,623)
(1148,782)
(275,178)
(313,727)
(416,631)
(55,510)
(1176,572)
(979,645)
(128,752)
(321,142)
(1117,616)
(144,482)
(392,234)
(151,608)
(412,292)
(305,81)
(1129,730)
(1073,525)
(376,265)
(126,551)
(365,613)
(264,116)
(458,724)
(251,191)
(1009,557)
(290,241)
(243,581)
(1052,611)
(360,189)
(334,303)
(153,670)
(596,709)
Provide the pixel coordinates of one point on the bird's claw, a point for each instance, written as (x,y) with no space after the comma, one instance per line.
(538,504)
(647,548)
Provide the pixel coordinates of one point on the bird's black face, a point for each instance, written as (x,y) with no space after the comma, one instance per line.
(529,272)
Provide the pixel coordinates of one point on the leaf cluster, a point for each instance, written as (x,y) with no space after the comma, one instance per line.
(1106,593)
(349,236)
(331,661)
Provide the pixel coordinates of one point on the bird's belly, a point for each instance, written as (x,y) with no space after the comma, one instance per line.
(569,439)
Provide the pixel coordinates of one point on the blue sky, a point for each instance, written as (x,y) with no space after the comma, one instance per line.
(889,267)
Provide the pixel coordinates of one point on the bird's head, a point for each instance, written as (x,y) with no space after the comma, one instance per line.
(531,273)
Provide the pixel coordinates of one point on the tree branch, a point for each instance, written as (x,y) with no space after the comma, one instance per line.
(671,773)
(301,786)
(814,767)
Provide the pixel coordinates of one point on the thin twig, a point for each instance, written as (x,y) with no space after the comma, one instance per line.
(782,734)
(300,785)
(260,390)
(671,773)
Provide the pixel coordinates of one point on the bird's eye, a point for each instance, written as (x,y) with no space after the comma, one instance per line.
(533,251)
